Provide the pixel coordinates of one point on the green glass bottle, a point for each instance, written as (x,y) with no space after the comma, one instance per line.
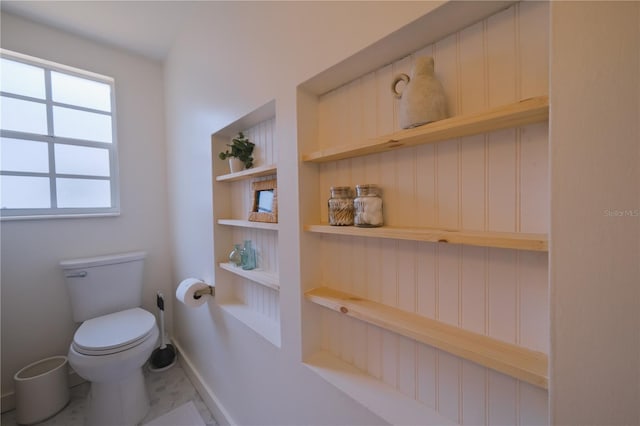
(248,256)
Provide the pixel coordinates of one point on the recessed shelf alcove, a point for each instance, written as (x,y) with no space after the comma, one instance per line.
(250,296)
(419,319)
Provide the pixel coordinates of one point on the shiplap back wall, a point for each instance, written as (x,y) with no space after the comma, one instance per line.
(496,182)
(259,298)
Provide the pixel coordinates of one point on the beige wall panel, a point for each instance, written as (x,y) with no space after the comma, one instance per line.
(495,181)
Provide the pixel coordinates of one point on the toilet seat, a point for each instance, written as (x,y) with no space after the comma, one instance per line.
(114,332)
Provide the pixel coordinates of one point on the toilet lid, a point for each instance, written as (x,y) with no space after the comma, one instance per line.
(114,332)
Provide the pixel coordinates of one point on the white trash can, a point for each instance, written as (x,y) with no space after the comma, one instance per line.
(42,389)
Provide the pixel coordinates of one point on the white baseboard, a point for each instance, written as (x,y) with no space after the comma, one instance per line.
(74,379)
(8,402)
(210,399)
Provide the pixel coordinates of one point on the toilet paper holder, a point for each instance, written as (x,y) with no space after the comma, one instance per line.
(190,291)
(210,290)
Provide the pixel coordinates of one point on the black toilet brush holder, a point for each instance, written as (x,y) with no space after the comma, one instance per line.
(165,356)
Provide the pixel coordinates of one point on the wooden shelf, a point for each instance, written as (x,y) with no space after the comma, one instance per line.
(382,399)
(509,240)
(527,111)
(248,224)
(521,363)
(265,278)
(267,170)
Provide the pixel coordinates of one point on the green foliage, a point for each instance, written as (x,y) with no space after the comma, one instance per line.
(241,148)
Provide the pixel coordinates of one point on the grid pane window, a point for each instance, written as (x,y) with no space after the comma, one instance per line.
(83,193)
(24,192)
(23,116)
(22,79)
(78,124)
(94,161)
(24,156)
(72,90)
(57,148)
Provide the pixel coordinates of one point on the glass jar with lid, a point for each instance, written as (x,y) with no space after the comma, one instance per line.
(368,206)
(341,206)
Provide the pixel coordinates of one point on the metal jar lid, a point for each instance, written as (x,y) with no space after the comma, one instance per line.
(368,190)
(341,191)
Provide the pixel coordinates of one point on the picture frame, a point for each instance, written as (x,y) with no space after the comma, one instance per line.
(265,201)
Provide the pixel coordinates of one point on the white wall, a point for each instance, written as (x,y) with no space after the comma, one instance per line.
(235,57)
(232,59)
(595,252)
(36,317)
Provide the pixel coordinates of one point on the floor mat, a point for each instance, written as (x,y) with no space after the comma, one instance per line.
(185,415)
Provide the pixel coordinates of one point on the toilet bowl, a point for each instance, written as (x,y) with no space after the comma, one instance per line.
(115,339)
(109,351)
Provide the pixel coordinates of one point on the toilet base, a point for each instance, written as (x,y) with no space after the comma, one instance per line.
(124,402)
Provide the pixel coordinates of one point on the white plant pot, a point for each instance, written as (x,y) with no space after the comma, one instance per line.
(235,165)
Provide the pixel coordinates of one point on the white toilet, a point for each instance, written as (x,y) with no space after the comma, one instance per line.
(116,336)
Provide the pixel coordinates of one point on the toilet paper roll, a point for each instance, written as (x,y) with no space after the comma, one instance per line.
(186,292)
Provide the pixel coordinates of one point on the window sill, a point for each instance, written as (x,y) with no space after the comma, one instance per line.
(58,216)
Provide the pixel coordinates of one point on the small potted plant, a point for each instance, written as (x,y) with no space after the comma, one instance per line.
(241,154)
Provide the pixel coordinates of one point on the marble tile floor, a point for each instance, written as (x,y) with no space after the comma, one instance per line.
(167,389)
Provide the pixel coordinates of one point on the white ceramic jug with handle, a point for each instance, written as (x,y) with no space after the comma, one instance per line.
(422,99)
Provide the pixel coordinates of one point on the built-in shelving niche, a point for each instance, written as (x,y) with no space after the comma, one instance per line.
(440,316)
(252,297)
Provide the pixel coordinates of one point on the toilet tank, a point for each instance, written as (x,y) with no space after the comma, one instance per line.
(103,285)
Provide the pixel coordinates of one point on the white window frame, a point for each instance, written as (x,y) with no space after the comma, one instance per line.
(52,140)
